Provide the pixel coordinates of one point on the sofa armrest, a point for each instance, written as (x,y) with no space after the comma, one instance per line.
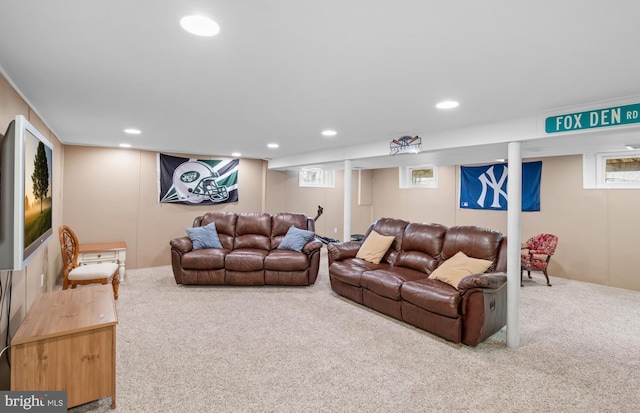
(484,306)
(182,244)
(489,280)
(311,246)
(343,250)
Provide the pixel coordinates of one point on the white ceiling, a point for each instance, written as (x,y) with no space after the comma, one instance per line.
(283,70)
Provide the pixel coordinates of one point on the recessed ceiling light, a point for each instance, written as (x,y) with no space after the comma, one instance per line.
(632,147)
(447,104)
(200,25)
(236,154)
(125,145)
(273,145)
(329,132)
(133,131)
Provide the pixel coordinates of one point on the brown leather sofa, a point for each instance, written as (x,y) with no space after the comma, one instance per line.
(249,253)
(400,287)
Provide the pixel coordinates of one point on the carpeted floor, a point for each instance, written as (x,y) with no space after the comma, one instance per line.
(305,349)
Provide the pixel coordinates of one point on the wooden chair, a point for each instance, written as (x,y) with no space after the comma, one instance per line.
(74,274)
(539,248)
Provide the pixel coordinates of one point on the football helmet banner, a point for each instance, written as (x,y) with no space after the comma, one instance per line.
(198,181)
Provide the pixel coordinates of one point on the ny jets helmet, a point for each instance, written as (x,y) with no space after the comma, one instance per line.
(195,182)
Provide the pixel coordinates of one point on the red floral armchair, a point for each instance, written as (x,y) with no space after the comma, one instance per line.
(539,248)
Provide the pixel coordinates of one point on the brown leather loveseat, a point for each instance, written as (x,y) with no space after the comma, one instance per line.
(251,250)
(468,306)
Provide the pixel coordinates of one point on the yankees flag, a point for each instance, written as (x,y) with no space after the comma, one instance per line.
(197,181)
(485,187)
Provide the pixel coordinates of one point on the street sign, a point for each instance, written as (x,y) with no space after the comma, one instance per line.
(600,118)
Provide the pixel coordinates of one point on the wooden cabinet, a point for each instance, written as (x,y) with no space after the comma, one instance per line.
(67,342)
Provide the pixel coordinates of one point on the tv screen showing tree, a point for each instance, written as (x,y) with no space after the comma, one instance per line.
(26,189)
(37,182)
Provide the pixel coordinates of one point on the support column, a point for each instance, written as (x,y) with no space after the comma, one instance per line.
(346,232)
(514,212)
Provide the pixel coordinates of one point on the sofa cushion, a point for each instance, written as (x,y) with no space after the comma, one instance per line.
(475,242)
(253,231)
(387,282)
(433,296)
(245,260)
(416,260)
(421,247)
(390,226)
(286,260)
(453,270)
(225,225)
(350,270)
(281,222)
(204,237)
(204,259)
(374,247)
(427,238)
(295,239)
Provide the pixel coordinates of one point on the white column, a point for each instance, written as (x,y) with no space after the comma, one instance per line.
(346,233)
(514,195)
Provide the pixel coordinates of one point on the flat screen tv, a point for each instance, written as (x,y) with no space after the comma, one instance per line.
(26,188)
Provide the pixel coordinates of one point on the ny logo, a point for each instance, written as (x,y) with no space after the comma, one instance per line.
(488,179)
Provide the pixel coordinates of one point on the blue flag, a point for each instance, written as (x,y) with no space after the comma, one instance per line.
(485,187)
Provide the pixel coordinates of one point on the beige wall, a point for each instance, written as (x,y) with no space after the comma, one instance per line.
(597,244)
(289,197)
(596,228)
(415,205)
(112,195)
(26,283)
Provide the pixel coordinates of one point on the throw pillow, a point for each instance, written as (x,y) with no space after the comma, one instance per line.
(204,237)
(453,270)
(374,247)
(295,239)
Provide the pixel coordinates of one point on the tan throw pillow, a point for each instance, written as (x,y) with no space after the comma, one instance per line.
(453,270)
(374,247)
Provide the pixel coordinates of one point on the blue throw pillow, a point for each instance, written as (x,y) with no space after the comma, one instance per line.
(295,239)
(204,237)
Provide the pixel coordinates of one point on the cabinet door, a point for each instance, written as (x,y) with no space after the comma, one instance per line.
(82,363)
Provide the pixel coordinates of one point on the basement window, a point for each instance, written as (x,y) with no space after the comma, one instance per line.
(618,170)
(418,176)
(316,178)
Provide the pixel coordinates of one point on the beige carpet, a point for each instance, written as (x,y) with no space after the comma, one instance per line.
(305,349)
